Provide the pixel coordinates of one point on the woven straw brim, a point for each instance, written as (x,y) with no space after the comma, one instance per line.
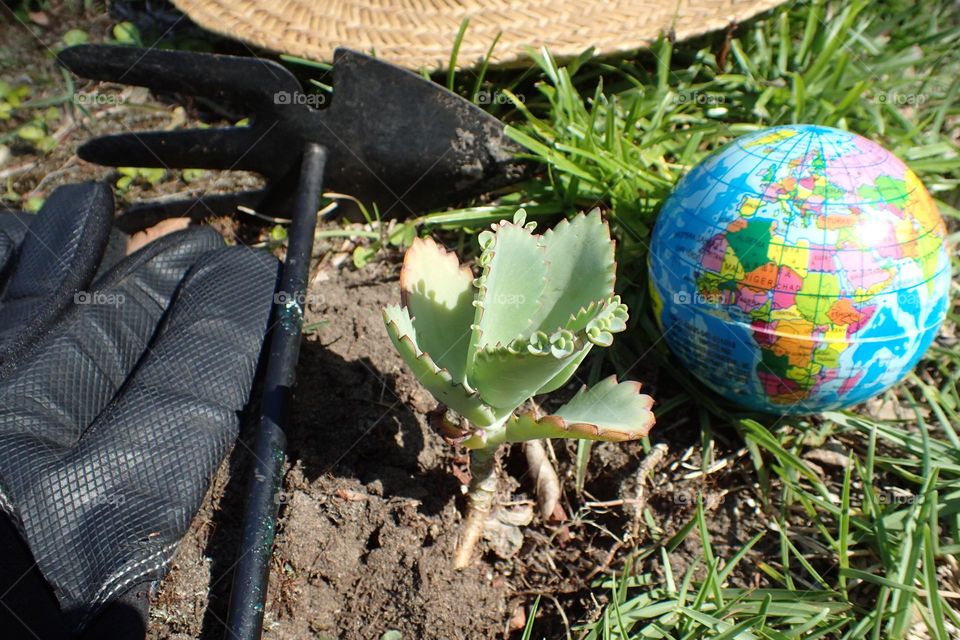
(419,34)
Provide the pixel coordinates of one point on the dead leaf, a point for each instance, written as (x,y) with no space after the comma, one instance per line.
(558,515)
(502,530)
(350,495)
(461,473)
(827,457)
(39,18)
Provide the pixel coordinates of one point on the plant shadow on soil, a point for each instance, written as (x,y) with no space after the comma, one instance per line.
(351,423)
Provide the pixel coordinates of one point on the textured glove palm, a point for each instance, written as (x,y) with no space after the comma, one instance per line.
(120,400)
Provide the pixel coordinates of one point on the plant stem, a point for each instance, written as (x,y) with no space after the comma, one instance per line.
(483,487)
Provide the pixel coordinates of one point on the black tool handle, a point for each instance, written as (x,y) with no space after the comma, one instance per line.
(245,617)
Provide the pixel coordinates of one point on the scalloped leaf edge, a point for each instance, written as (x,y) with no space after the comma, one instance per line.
(589,430)
(608,315)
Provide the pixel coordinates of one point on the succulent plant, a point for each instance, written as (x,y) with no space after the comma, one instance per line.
(484,346)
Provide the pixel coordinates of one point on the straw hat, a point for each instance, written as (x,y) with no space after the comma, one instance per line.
(419,34)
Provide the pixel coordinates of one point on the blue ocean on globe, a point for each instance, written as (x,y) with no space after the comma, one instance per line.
(800,269)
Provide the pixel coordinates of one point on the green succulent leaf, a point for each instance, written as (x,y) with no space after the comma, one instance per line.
(583,317)
(514,275)
(438,293)
(580,270)
(609,411)
(506,376)
(437,381)
(613,406)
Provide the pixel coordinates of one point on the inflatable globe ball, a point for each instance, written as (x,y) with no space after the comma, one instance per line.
(799,269)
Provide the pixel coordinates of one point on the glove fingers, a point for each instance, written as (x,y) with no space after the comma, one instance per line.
(112,511)
(65,380)
(57,258)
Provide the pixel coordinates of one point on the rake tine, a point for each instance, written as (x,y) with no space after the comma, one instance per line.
(229,148)
(236,80)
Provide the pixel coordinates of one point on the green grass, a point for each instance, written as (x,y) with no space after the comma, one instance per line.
(867,551)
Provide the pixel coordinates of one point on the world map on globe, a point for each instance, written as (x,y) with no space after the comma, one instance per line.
(800,269)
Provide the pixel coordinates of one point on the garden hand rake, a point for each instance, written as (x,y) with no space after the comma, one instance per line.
(391,136)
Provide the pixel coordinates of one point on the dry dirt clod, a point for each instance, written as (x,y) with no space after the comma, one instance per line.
(518,617)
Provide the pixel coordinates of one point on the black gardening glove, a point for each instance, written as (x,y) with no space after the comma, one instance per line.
(116,406)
